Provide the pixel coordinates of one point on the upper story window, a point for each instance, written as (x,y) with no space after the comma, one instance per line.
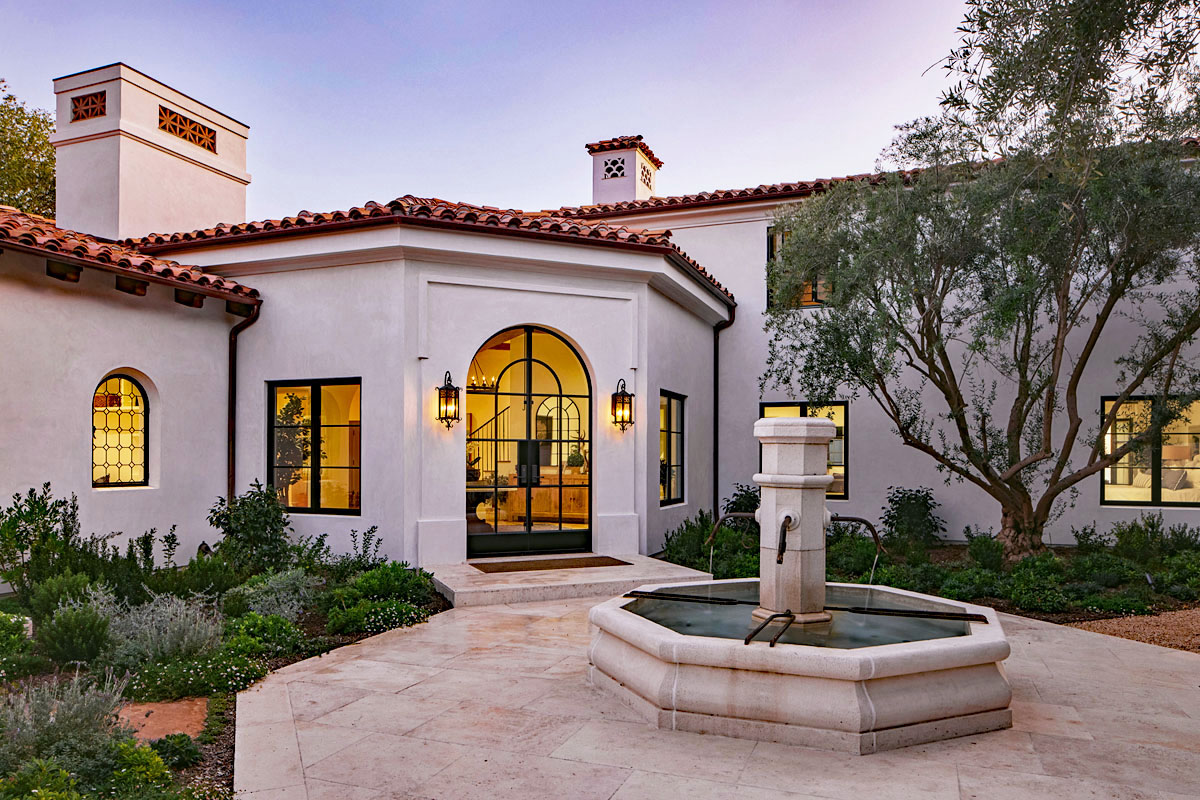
(614,167)
(1163,471)
(89,106)
(811,294)
(187,129)
(315,444)
(119,425)
(670,448)
(839,412)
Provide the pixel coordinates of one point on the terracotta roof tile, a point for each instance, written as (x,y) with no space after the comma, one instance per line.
(38,234)
(434,212)
(625,143)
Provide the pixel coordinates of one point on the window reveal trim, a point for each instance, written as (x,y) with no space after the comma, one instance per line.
(314,432)
(673,459)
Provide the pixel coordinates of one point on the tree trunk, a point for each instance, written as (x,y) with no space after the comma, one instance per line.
(1020,534)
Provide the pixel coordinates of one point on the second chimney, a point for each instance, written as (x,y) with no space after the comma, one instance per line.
(623,169)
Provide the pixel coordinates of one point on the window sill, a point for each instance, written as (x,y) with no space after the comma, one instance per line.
(118,487)
(671,503)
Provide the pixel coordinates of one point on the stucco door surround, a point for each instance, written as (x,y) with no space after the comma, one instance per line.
(529,421)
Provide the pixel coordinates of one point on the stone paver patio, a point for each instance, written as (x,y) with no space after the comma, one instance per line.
(491,703)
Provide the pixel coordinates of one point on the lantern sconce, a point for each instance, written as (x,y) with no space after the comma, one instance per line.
(622,406)
(447,407)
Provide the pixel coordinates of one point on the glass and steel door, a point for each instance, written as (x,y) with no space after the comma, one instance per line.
(528,414)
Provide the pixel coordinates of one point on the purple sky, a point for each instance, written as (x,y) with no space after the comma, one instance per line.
(492,102)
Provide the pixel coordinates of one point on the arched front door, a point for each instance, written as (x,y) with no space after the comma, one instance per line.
(529,446)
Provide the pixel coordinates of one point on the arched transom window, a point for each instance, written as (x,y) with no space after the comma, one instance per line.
(119,419)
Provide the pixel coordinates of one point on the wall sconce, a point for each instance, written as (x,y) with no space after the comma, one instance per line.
(622,406)
(447,403)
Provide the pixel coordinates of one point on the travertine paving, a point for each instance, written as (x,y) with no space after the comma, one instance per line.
(491,703)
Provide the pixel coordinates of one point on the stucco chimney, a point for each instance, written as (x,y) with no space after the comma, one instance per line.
(623,169)
(135,156)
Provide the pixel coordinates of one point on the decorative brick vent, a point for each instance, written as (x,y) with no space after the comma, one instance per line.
(89,106)
(614,168)
(647,178)
(189,130)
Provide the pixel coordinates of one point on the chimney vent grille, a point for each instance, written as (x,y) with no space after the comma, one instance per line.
(614,167)
(89,106)
(189,130)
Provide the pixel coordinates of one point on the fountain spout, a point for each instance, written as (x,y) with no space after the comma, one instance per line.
(791,517)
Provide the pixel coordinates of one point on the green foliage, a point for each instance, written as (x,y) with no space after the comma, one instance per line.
(138,766)
(17,658)
(49,594)
(734,552)
(1104,568)
(314,555)
(284,594)
(848,553)
(255,527)
(177,750)
(26,155)
(972,583)
(1147,540)
(1087,540)
(745,499)
(39,779)
(165,628)
(1119,603)
(271,635)
(221,671)
(395,581)
(374,616)
(76,634)
(910,522)
(985,550)
(205,574)
(1037,585)
(12,634)
(74,722)
(925,577)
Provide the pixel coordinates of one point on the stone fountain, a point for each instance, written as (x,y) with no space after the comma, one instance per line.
(790,658)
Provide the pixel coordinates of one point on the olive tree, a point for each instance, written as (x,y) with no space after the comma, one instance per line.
(1046,225)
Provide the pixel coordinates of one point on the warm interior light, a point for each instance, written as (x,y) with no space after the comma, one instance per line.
(622,406)
(448,403)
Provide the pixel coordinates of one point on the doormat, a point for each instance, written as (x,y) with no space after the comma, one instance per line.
(549,563)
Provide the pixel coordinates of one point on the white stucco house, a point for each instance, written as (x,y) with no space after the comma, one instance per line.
(162,351)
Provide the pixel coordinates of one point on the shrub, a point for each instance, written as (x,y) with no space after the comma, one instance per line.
(264,635)
(985,549)
(255,527)
(1087,540)
(1045,567)
(46,596)
(1077,591)
(34,532)
(12,634)
(1116,604)
(395,581)
(848,553)
(910,522)
(163,629)
(177,750)
(972,583)
(1033,591)
(40,778)
(314,555)
(221,671)
(1147,540)
(284,594)
(73,722)
(927,578)
(1104,568)
(374,616)
(138,766)
(75,634)
(204,574)
(17,658)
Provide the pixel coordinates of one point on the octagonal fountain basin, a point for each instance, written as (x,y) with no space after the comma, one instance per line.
(858,683)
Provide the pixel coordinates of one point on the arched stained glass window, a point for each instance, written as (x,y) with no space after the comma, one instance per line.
(119,425)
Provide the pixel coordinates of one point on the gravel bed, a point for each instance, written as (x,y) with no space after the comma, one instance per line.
(1177,629)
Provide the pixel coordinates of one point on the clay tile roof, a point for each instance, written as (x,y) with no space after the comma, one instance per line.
(625,143)
(34,233)
(435,212)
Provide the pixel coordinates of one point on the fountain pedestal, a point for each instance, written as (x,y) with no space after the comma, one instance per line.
(791,517)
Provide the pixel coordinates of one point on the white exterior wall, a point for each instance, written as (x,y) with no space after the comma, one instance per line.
(681,356)
(61,340)
(731,242)
(398,307)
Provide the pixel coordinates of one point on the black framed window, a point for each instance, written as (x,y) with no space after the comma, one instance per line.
(314,444)
(120,422)
(670,447)
(812,294)
(839,412)
(1162,471)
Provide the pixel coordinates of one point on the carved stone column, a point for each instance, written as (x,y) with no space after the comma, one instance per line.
(795,452)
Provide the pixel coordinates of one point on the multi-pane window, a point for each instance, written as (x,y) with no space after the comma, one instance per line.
(315,444)
(811,294)
(1164,469)
(838,412)
(119,424)
(670,448)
